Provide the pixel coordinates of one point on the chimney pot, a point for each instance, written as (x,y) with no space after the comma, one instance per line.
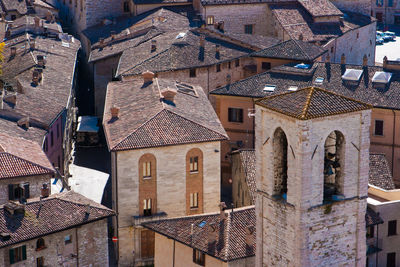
(45,191)
(36,76)
(202,40)
(13,51)
(211,233)
(365,61)
(385,62)
(343,59)
(222,214)
(169,94)
(153,45)
(148,76)
(114,112)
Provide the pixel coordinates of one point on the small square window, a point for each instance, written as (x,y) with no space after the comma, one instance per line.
(378,128)
(237,63)
(392,228)
(194,199)
(248,29)
(218,67)
(192,73)
(126,6)
(265,65)
(68,239)
(235,114)
(229,65)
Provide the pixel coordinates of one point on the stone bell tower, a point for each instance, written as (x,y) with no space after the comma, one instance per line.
(312,151)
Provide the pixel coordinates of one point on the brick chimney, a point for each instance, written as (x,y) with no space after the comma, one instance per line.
(45,191)
(202,40)
(148,76)
(114,112)
(32,44)
(12,99)
(36,76)
(169,94)
(222,214)
(40,61)
(153,45)
(13,51)
(365,61)
(37,22)
(101,42)
(343,59)
(217,51)
(211,236)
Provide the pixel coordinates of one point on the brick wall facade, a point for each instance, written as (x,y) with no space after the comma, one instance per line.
(304,231)
(194,181)
(90,239)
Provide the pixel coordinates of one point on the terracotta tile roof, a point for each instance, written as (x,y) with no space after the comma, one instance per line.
(379,172)
(320,8)
(296,21)
(287,76)
(232,2)
(56,213)
(131,31)
(151,2)
(248,162)
(372,218)
(17,5)
(11,128)
(42,103)
(230,233)
(145,120)
(20,157)
(311,102)
(292,49)
(174,53)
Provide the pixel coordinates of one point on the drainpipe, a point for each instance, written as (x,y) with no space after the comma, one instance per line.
(173,256)
(393,142)
(77,247)
(376,244)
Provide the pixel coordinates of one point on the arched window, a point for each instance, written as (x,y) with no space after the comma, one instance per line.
(40,244)
(280,147)
(333,165)
(194,181)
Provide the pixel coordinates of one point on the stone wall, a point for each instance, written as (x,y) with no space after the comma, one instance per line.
(35,184)
(92,241)
(240,189)
(304,219)
(171,188)
(236,16)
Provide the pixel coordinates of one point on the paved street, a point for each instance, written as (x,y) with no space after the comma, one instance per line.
(389,49)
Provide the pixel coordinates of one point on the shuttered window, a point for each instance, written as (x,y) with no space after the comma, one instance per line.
(17,254)
(194,164)
(194,200)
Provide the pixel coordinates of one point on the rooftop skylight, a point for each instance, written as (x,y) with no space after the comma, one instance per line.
(293,88)
(269,88)
(382,77)
(352,75)
(180,35)
(303,66)
(319,80)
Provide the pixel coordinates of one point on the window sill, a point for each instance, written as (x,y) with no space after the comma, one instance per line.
(146,177)
(39,249)
(377,135)
(194,208)
(194,172)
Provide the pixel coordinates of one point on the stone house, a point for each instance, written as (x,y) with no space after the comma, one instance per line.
(243,177)
(39,86)
(63,229)
(386,11)
(222,239)
(365,86)
(12,9)
(318,22)
(165,142)
(311,176)
(24,169)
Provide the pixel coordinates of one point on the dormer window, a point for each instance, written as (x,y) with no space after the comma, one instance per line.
(381,79)
(352,76)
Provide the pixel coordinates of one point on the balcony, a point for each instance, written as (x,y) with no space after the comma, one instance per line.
(137,220)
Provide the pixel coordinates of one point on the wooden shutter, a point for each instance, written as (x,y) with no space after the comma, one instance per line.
(24,252)
(11,252)
(26,190)
(10,192)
